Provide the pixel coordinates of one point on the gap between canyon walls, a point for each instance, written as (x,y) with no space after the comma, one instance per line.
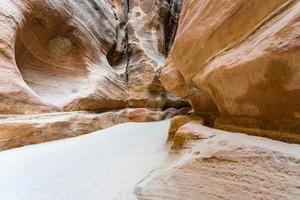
(172,21)
(126,10)
(65,57)
(145,33)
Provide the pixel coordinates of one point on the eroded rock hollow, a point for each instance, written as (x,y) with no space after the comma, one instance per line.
(73,55)
(70,67)
(85,55)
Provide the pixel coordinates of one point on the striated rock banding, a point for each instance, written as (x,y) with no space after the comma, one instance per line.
(20,130)
(238,62)
(206,163)
(84,55)
(60,57)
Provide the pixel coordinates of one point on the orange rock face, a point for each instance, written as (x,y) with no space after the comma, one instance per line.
(71,67)
(74,55)
(239,62)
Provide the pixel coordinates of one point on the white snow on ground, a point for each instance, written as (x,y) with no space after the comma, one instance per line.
(105,165)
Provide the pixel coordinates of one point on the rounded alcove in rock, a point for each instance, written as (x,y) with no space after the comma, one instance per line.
(51,56)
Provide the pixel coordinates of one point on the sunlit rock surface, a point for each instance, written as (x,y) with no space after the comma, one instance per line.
(238,61)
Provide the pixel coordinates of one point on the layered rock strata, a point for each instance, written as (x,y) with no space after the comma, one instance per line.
(238,62)
(206,163)
(20,130)
(84,55)
(62,56)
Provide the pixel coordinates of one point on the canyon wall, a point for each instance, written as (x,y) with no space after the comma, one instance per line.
(91,55)
(237,63)
(70,67)
(65,62)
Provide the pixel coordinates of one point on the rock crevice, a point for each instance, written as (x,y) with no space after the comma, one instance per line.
(74,55)
(68,56)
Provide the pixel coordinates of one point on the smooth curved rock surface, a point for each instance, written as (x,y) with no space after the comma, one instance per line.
(238,61)
(84,55)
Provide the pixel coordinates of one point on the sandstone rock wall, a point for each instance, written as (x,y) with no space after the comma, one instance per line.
(238,61)
(59,57)
(235,61)
(71,55)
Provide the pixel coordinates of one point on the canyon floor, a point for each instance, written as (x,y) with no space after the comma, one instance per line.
(134,161)
(105,165)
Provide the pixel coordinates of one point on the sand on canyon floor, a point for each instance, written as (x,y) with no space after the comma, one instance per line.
(105,165)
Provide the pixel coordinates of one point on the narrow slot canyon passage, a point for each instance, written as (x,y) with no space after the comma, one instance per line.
(149,99)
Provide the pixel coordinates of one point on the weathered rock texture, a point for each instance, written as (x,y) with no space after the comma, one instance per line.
(84,55)
(74,55)
(206,163)
(238,61)
(19,130)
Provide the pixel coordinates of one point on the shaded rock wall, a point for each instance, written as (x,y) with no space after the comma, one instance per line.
(238,62)
(84,55)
